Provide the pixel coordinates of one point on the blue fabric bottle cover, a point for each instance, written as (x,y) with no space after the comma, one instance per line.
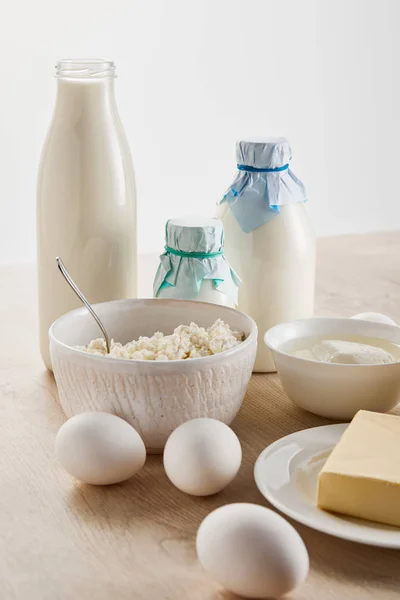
(194,253)
(263,183)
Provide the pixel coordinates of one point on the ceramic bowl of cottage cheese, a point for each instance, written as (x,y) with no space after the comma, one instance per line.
(155,396)
(335,367)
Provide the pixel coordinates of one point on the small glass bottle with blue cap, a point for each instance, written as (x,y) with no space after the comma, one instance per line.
(193,266)
(269,239)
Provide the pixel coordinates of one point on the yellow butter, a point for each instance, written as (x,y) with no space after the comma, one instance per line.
(361,477)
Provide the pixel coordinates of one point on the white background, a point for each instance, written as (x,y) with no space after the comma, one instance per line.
(194,77)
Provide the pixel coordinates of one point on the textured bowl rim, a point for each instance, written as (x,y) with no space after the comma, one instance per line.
(191,361)
(338,320)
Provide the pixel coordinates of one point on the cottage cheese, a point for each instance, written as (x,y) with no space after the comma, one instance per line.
(187,341)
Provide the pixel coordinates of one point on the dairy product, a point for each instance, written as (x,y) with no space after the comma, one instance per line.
(361,477)
(351,353)
(193,266)
(276,263)
(375,317)
(187,341)
(86,207)
(352,350)
(269,240)
(208,293)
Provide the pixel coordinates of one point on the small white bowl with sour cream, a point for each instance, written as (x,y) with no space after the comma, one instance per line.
(155,396)
(318,361)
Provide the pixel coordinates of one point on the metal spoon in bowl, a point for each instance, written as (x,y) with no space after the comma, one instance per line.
(82,298)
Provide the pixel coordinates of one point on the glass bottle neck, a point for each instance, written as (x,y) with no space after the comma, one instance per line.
(79,96)
(85,69)
(84,86)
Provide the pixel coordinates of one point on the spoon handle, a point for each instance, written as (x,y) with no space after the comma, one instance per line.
(82,298)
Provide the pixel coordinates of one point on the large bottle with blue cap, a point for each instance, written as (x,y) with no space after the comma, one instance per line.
(269,239)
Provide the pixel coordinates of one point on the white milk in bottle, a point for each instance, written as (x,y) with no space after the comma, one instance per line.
(86,206)
(269,240)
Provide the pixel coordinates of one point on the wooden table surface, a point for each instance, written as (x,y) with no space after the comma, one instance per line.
(61,540)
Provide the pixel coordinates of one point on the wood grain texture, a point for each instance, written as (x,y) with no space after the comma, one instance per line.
(60,540)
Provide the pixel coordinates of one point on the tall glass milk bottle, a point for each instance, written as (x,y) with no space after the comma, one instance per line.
(269,240)
(86,201)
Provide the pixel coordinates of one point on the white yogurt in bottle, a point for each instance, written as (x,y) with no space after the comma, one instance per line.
(269,240)
(86,205)
(193,266)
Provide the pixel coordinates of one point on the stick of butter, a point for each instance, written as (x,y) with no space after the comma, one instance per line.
(361,477)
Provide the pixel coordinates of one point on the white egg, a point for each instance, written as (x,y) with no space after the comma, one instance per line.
(202,456)
(99,448)
(252,551)
(376,317)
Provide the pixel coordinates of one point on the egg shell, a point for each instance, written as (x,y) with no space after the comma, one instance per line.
(202,456)
(376,317)
(99,448)
(252,551)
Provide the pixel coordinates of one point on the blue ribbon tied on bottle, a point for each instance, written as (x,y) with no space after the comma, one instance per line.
(194,254)
(263,183)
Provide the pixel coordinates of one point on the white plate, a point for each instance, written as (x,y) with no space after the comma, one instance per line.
(286,474)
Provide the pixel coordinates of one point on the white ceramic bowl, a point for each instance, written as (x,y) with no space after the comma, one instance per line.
(154,396)
(333,390)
